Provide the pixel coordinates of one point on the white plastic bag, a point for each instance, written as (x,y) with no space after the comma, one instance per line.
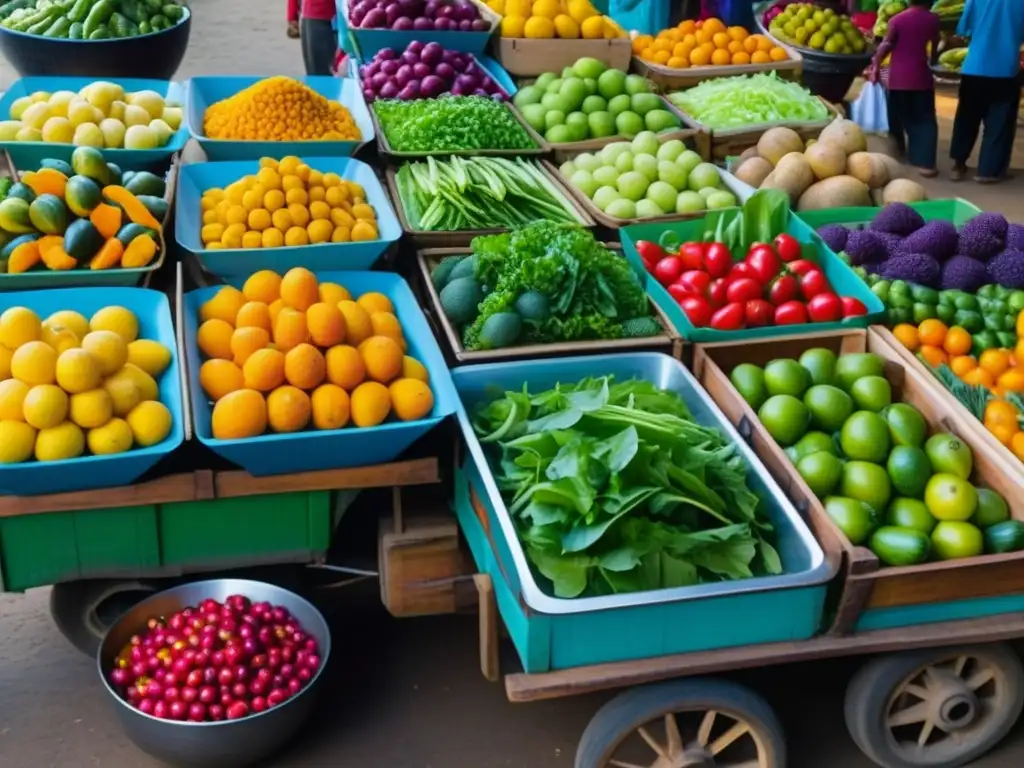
(871,111)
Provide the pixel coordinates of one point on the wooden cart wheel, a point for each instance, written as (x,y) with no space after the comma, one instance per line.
(935,708)
(698,723)
(83,610)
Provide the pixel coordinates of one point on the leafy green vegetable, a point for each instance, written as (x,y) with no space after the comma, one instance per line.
(746,100)
(590,290)
(479,193)
(613,487)
(759,220)
(450,124)
(974,397)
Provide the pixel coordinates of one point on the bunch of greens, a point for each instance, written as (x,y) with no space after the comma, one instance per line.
(479,193)
(613,487)
(589,291)
(450,124)
(746,100)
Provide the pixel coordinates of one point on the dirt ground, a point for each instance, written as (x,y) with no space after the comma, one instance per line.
(401,694)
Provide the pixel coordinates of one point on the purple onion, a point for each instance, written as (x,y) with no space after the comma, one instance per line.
(414,47)
(403,75)
(386,54)
(422,24)
(481,92)
(378,80)
(444,12)
(430,9)
(460,62)
(403,23)
(410,91)
(466,83)
(449,57)
(409,57)
(392,12)
(465,10)
(420,70)
(431,86)
(432,53)
(390,67)
(445,72)
(389,91)
(480,25)
(375,19)
(465,25)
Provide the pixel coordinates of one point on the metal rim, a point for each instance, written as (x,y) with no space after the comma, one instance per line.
(946,708)
(701,738)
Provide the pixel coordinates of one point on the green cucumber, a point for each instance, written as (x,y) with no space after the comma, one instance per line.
(77,31)
(59,28)
(1004,537)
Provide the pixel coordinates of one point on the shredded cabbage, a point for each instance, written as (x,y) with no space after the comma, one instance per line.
(737,102)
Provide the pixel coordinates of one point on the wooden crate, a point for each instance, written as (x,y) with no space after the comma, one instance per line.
(674,79)
(874,596)
(528,58)
(451,342)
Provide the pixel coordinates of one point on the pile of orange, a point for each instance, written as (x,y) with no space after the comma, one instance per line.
(706,43)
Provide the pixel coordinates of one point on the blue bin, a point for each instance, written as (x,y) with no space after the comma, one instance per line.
(31,153)
(241,262)
(204,91)
(91,472)
(553,633)
(369,41)
(275,454)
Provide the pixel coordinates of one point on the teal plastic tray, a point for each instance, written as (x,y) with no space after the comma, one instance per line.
(369,41)
(843,279)
(956,210)
(554,633)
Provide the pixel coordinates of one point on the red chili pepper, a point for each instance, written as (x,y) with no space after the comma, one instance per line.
(825,307)
(788,247)
(668,270)
(784,288)
(763,263)
(728,318)
(743,289)
(717,260)
(759,313)
(791,313)
(697,310)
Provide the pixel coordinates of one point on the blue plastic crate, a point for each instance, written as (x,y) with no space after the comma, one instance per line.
(554,633)
(90,472)
(204,91)
(240,262)
(369,41)
(275,454)
(31,153)
(842,277)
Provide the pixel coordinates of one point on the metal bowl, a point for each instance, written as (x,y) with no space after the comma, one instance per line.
(155,56)
(227,743)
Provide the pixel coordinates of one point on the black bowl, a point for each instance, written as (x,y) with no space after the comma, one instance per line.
(155,56)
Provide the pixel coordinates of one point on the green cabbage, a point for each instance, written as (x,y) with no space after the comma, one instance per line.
(738,102)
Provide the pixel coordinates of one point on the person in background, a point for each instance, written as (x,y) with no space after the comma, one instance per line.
(293,19)
(912,119)
(319,40)
(990,86)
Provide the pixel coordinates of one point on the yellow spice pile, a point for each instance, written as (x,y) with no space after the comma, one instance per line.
(279,109)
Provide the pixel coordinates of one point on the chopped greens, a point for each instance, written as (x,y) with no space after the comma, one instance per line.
(450,124)
(613,487)
(748,100)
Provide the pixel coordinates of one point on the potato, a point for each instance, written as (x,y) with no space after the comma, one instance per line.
(869,168)
(776,143)
(837,192)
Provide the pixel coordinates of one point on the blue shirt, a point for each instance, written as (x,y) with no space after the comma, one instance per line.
(996,30)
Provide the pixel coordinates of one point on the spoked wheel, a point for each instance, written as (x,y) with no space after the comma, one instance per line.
(938,708)
(84,610)
(684,724)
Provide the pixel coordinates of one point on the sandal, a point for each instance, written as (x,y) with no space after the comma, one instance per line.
(927,173)
(958,173)
(993,179)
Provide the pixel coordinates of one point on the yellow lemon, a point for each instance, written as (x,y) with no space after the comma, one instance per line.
(330,405)
(581,10)
(78,371)
(34,363)
(411,399)
(119,320)
(264,286)
(12,398)
(124,392)
(5,363)
(513,26)
(45,406)
(566,27)
(19,325)
(60,338)
(150,423)
(64,441)
(592,28)
(17,441)
(332,293)
(151,356)
(109,349)
(414,369)
(539,28)
(148,388)
(546,8)
(91,409)
(113,437)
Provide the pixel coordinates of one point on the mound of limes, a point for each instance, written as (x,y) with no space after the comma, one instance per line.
(287,353)
(884,481)
(72,386)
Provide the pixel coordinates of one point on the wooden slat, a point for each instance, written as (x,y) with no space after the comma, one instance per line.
(415,472)
(166,490)
(524,687)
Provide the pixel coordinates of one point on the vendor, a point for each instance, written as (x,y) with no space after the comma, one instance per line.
(990,88)
(319,40)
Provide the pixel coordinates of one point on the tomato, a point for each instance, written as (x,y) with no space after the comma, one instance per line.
(650,253)
(717,260)
(785,288)
(678,291)
(695,280)
(692,255)
(763,263)
(668,270)
(717,290)
(825,308)
(697,310)
(728,318)
(812,283)
(853,307)
(790,313)
(788,247)
(743,289)
(758,313)
(801,266)
(741,269)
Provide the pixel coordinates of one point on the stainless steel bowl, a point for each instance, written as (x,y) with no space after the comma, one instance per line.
(227,743)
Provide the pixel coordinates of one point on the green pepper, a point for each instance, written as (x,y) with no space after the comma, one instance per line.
(986,291)
(131,10)
(969,320)
(900,302)
(144,28)
(898,315)
(966,302)
(984,340)
(946,313)
(900,288)
(159,21)
(44,24)
(1015,301)
(922,312)
(881,290)
(102,33)
(59,28)
(154,5)
(924,294)
(98,17)
(994,322)
(1007,339)
(1009,321)
(174,12)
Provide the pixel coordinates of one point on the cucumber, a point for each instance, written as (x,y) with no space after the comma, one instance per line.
(1004,537)
(10,7)
(155,5)
(132,11)
(79,10)
(77,31)
(158,22)
(59,28)
(174,12)
(900,546)
(100,34)
(144,28)
(41,26)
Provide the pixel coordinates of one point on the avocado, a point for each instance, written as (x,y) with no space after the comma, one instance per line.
(460,300)
(500,330)
(533,306)
(57,165)
(146,183)
(442,272)
(640,326)
(22,191)
(465,268)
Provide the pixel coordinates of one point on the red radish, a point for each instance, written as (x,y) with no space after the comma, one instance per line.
(650,253)
(801,267)
(695,281)
(813,282)
(717,290)
(668,270)
(692,255)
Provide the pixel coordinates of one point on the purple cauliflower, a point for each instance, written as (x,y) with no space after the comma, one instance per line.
(917,268)
(898,219)
(964,274)
(893,243)
(865,247)
(1007,269)
(1015,237)
(835,236)
(936,238)
(983,236)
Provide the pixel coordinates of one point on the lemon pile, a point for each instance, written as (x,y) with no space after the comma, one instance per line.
(545,19)
(71,386)
(288,353)
(286,203)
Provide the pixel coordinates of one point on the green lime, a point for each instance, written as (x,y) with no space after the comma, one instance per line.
(949,497)
(953,540)
(829,406)
(900,546)
(865,437)
(910,513)
(820,364)
(786,377)
(785,418)
(871,393)
(906,425)
(857,366)
(812,442)
(948,453)
(853,517)
(909,470)
(749,382)
(821,471)
(866,482)
(992,509)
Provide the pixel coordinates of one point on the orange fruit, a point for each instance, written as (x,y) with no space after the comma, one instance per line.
(290,329)
(358,326)
(932,332)
(932,355)
(700,57)
(906,334)
(1000,412)
(961,365)
(264,370)
(713,25)
(299,289)
(750,44)
(1003,433)
(778,54)
(735,46)
(288,409)
(764,43)
(738,33)
(214,338)
(219,378)
(414,369)
(370,404)
(246,341)
(326,324)
(721,40)
(661,57)
(223,306)
(254,314)
(677,62)
(382,357)
(411,399)
(304,367)
(957,341)
(702,36)
(264,286)
(331,407)
(995,361)
(760,57)
(721,57)
(1017,445)
(979,377)
(1012,381)
(740,58)
(345,367)
(239,415)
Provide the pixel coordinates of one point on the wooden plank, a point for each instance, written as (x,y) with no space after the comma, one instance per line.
(522,687)
(165,490)
(414,472)
(489,660)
